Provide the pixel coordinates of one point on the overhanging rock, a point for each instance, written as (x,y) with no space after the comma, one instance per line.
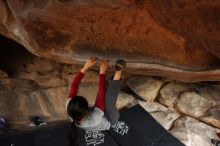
(178,40)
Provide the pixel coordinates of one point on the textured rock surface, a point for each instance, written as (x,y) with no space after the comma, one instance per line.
(193,104)
(163,115)
(3,74)
(179,40)
(199,100)
(125,101)
(45,73)
(194,133)
(170,93)
(202,104)
(212,93)
(18,106)
(166,118)
(146,87)
(152,106)
(213,116)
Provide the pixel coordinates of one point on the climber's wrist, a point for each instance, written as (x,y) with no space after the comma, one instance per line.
(83,70)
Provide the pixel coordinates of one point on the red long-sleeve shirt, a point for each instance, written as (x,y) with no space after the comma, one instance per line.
(101,92)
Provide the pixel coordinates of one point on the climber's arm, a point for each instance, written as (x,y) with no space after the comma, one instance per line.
(74,86)
(100,99)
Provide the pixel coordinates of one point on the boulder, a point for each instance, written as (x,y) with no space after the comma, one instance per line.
(211,92)
(125,101)
(170,93)
(213,116)
(193,104)
(200,100)
(163,115)
(166,118)
(146,87)
(193,132)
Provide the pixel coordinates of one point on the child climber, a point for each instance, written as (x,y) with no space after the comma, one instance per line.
(104,114)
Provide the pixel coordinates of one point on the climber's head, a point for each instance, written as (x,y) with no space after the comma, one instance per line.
(77,108)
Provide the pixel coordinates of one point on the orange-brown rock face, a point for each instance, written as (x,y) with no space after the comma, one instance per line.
(179,40)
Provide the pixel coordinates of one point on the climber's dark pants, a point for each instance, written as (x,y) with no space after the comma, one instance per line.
(113,88)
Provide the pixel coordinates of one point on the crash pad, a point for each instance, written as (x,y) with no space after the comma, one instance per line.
(136,127)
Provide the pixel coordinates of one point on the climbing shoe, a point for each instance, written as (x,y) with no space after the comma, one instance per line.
(120,64)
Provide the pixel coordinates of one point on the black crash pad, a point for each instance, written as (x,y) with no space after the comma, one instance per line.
(136,127)
(53,135)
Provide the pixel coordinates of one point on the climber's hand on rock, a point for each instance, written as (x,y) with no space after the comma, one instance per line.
(89,63)
(103,66)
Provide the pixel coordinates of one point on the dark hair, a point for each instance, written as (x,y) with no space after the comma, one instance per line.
(77,109)
(72,138)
